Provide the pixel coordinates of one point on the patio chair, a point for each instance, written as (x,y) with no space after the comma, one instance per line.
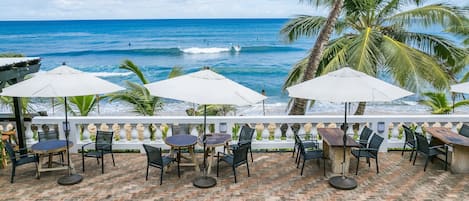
(102,146)
(464,131)
(180,129)
(370,152)
(365,137)
(245,137)
(238,158)
(409,141)
(429,151)
(50,135)
(308,155)
(18,159)
(156,159)
(307,144)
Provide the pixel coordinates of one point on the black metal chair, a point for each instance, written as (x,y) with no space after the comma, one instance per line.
(409,141)
(369,152)
(429,151)
(238,158)
(156,159)
(180,129)
(50,135)
(245,137)
(464,131)
(307,144)
(102,146)
(18,159)
(308,155)
(365,137)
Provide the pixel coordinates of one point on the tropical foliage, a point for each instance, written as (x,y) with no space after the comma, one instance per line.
(374,36)
(136,94)
(80,105)
(438,102)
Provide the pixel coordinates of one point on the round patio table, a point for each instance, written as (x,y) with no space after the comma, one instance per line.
(182,141)
(211,142)
(44,148)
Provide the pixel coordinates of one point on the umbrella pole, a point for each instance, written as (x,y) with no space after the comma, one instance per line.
(204,181)
(342,182)
(69,179)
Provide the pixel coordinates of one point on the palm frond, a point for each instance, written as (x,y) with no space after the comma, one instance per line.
(302,26)
(175,71)
(410,67)
(129,65)
(428,15)
(364,52)
(296,74)
(335,54)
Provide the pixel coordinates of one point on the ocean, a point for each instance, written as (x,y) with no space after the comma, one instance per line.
(249,51)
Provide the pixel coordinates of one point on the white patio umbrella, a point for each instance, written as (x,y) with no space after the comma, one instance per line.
(205,87)
(62,81)
(460,88)
(346,85)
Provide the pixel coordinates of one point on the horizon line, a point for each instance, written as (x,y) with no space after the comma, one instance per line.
(125,19)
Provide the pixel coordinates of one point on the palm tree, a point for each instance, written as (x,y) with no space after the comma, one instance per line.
(439,104)
(310,65)
(373,37)
(136,94)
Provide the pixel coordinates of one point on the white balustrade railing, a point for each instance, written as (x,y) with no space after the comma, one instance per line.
(272,132)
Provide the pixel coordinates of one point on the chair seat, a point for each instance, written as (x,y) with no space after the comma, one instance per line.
(357,153)
(313,154)
(95,154)
(228,158)
(434,152)
(25,160)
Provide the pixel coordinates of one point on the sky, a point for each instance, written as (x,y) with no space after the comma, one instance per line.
(158,9)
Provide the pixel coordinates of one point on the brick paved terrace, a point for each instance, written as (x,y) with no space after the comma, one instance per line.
(274,176)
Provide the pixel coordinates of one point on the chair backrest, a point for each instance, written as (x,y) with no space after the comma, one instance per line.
(153,154)
(48,135)
(365,136)
(104,140)
(422,143)
(246,134)
(375,143)
(180,129)
(10,151)
(409,135)
(240,155)
(464,130)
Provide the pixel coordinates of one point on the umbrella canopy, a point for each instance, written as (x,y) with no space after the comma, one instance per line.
(347,85)
(205,87)
(62,81)
(460,88)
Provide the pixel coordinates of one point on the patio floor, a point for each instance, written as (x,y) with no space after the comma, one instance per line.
(274,176)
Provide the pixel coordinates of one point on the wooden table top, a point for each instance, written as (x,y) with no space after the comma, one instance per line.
(215,139)
(334,137)
(50,146)
(181,140)
(447,136)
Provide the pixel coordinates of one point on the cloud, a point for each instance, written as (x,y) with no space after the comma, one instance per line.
(159,9)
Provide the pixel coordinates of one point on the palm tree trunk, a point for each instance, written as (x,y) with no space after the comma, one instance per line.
(360,109)
(299,105)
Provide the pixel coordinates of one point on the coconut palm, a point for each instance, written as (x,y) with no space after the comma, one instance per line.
(439,103)
(136,94)
(80,105)
(373,37)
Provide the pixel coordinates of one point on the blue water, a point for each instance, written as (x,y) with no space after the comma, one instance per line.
(156,46)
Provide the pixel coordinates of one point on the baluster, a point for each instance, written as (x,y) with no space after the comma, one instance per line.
(117,131)
(128,132)
(92,131)
(278,133)
(103,127)
(265,132)
(164,130)
(271,129)
(259,128)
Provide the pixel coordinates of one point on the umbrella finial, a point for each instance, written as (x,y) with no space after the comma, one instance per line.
(63,63)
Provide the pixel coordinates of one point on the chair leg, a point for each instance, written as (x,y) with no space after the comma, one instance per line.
(13,168)
(83,160)
(179,171)
(377,167)
(403,149)
(324,161)
(446,158)
(112,154)
(411,154)
(218,162)
(102,164)
(303,166)
(426,162)
(294,150)
(252,159)
(298,161)
(234,172)
(358,163)
(146,176)
(161,176)
(415,157)
(247,166)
